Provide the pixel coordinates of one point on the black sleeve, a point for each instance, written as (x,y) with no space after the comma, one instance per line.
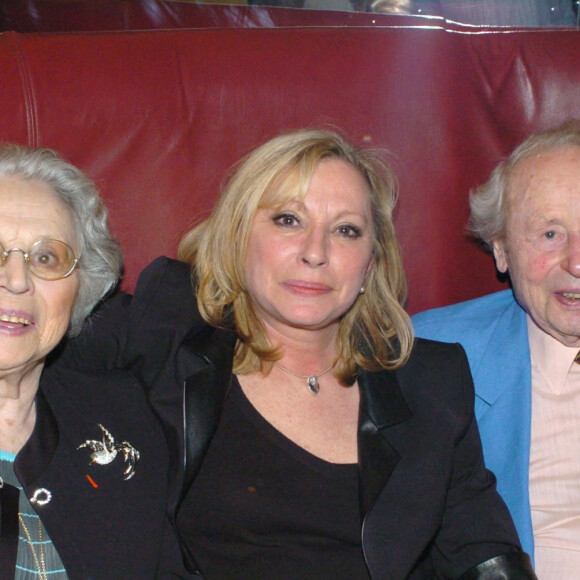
(140,332)
(101,344)
(512,566)
(477,527)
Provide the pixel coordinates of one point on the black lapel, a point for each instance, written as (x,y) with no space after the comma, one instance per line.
(204,394)
(31,462)
(37,453)
(382,405)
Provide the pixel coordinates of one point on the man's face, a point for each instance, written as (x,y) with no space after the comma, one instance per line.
(541,249)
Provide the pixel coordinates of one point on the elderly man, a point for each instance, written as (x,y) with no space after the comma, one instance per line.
(522,345)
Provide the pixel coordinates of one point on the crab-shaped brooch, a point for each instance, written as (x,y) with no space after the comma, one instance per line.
(105,451)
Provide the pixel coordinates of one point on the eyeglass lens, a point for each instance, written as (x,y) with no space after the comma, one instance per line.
(47,259)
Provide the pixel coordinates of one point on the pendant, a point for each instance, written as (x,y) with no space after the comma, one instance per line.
(312,384)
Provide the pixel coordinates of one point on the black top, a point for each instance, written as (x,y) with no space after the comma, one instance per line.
(263,507)
(430,508)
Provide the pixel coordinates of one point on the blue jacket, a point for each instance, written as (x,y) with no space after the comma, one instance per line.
(494,333)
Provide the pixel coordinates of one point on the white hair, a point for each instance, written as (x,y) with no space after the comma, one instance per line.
(100,254)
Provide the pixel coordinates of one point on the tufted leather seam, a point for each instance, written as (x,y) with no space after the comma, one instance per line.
(28,96)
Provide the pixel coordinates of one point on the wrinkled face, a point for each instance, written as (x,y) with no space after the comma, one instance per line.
(34,313)
(541,250)
(306,261)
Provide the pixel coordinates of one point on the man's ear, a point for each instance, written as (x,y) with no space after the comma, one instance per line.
(500,254)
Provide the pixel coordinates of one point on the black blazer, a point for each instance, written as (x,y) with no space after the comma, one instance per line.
(429,506)
(104,525)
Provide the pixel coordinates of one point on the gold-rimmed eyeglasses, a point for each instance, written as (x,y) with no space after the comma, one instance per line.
(46,259)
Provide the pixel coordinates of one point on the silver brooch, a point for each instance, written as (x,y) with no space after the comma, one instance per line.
(105,451)
(41,496)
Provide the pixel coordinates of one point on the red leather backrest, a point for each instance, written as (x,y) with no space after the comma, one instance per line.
(156,118)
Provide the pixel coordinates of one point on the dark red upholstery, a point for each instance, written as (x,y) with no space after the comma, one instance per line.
(156,118)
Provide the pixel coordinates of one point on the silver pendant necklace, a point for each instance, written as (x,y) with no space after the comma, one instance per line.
(311,380)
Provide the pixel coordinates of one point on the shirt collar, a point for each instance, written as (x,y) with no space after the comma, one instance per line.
(552,358)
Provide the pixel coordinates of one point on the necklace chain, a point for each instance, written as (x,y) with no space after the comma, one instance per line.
(39,562)
(311,380)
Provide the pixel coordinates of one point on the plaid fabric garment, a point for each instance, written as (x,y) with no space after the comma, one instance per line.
(44,554)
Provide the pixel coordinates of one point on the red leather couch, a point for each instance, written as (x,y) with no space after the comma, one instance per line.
(157,117)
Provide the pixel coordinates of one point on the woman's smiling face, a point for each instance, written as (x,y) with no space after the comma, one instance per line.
(34,313)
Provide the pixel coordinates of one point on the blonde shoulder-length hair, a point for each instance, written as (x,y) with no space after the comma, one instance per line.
(376,332)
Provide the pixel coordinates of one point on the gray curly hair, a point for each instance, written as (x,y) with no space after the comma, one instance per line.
(101,256)
(489,202)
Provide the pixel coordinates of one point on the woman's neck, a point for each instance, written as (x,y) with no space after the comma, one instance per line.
(17,409)
(305,350)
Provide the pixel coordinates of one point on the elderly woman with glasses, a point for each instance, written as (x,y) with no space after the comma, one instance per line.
(82,459)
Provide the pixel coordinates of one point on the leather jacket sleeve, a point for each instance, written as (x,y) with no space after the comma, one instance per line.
(512,566)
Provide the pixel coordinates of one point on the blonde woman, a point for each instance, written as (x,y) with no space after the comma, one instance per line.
(313,437)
